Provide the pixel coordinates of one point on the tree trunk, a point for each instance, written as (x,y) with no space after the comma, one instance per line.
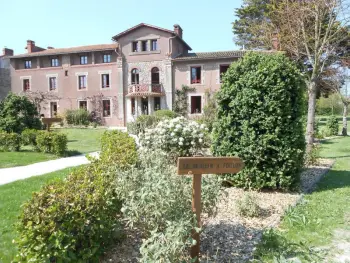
(345,122)
(311,116)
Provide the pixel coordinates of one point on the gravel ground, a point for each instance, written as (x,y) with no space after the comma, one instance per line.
(227,236)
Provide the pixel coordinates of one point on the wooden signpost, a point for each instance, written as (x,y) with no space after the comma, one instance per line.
(197,166)
(49,121)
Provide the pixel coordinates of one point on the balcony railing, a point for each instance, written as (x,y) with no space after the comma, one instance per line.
(139,90)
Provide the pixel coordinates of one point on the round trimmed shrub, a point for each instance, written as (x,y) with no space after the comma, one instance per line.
(259,118)
(9,141)
(51,142)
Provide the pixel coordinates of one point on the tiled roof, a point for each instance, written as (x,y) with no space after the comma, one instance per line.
(116,37)
(58,51)
(211,55)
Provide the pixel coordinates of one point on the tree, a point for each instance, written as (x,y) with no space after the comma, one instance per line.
(314,33)
(259,118)
(40,98)
(18,113)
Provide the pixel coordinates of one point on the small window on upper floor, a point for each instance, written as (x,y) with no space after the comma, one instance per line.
(82,82)
(223,69)
(105,81)
(54,62)
(28,64)
(144,45)
(196,75)
(154,44)
(52,83)
(106,58)
(135,46)
(83,60)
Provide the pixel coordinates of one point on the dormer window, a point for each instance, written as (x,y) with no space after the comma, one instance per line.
(106,58)
(83,60)
(28,64)
(144,46)
(54,62)
(135,46)
(154,45)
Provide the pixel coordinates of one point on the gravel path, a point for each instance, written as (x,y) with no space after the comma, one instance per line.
(8,175)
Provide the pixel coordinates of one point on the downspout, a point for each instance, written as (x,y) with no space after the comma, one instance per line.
(123,97)
(171,49)
(172,80)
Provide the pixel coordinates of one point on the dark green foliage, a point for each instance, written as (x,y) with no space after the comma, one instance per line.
(70,221)
(142,123)
(332,126)
(77,117)
(118,148)
(28,137)
(18,113)
(181,100)
(165,114)
(209,111)
(51,142)
(260,108)
(9,141)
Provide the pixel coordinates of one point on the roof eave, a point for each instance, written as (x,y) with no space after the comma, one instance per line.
(196,58)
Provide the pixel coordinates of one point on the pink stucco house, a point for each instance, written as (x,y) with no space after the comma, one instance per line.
(137,74)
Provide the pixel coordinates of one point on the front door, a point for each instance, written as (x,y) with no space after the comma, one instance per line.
(144,105)
(53,109)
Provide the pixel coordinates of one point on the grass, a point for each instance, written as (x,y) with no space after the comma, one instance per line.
(80,141)
(12,197)
(312,223)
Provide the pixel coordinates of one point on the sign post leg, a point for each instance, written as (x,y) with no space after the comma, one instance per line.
(196,208)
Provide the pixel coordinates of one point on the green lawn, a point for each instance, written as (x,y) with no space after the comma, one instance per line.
(12,196)
(80,141)
(312,223)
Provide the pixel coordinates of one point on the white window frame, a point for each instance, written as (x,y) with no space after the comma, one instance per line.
(78,74)
(218,70)
(22,78)
(48,76)
(87,104)
(109,72)
(190,95)
(111,108)
(189,74)
(50,107)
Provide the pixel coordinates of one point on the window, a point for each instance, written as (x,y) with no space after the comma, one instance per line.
(153,45)
(135,46)
(106,108)
(28,64)
(83,104)
(82,82)
(155,76)
(105,81)
(52,83)
(196,104)
(53,109)
(133,106)
(135,76)
(66,73)
(54,62)
(26,84)
(106,58)
(156,103)
(83,60)
(223,69)
(144,46)
(195,75)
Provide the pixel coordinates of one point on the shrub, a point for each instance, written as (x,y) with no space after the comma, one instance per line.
(18,113)
(9,141)
(52,142)
(70,221)
(332,126)
(29,137)
(248,206)
(157,202)
(177,137)
(142,123)
(260,109)
(181,100)
(209,111)
(163,114)
(77,117)
(118,148)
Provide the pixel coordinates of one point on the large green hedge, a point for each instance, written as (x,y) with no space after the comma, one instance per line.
(260,108)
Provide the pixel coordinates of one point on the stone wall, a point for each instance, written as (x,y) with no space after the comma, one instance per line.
(5,78)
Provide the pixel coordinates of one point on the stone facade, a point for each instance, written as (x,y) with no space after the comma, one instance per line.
(5,73)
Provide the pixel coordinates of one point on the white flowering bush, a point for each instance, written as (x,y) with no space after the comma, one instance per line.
(177,137)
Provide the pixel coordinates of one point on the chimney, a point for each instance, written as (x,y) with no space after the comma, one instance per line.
(30,46)
(7,52)
(50,48)
(275,42)
(178,30)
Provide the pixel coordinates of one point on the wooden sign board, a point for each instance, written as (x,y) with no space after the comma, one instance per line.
(50,120)
(209,165)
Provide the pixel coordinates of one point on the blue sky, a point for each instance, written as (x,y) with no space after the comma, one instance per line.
(66,23)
